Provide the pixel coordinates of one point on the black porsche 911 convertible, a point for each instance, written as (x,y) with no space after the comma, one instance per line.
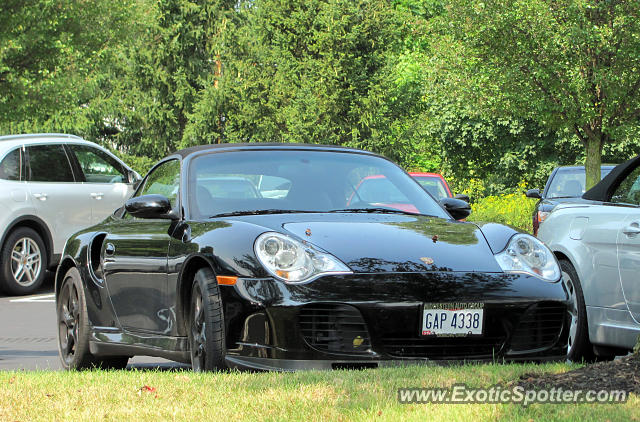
(276,256)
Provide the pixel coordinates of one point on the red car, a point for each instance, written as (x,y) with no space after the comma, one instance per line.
(433,183)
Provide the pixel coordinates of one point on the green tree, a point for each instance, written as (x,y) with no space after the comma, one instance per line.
(570,65)
(321,71)
(51,53)
(163,74)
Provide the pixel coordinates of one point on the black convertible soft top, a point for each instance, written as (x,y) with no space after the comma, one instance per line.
(603,190)
(264,145)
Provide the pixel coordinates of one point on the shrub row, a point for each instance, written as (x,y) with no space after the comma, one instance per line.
(514,209)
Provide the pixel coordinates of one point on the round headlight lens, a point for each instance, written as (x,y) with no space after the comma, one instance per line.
(271,246)
(294,261)
(527,254)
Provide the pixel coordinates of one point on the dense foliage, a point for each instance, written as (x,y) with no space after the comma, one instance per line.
(569,65)
(514,209)
(492,94)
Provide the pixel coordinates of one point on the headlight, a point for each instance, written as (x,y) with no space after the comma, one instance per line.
(542,215)
(291,260)
(526,254)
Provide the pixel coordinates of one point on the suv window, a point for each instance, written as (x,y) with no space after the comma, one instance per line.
(11,165)
(49,163)
(97,166)
(629,190)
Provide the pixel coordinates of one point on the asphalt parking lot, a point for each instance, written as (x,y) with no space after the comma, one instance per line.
(28,334)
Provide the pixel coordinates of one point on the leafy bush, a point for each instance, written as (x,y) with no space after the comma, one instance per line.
(514,209)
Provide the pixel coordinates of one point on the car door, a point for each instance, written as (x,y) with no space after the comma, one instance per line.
(54,192)
(628,194)
(13,189)
(105,180)
(135,258)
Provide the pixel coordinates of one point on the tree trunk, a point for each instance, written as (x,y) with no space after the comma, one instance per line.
(593,161)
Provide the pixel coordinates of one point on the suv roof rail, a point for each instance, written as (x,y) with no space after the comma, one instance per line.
(39,135)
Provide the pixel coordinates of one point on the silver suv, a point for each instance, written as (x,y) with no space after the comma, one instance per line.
(51,186)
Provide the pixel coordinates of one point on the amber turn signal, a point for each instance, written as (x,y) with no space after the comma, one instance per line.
(226,280)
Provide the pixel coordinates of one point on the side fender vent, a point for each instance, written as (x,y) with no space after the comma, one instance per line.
(95,257)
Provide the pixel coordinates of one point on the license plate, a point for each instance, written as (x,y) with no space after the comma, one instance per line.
(452,319)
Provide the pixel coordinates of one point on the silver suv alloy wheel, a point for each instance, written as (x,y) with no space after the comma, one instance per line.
(26,261)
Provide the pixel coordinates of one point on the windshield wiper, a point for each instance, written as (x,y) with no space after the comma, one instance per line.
(260,212)
(346,210)
(377,210)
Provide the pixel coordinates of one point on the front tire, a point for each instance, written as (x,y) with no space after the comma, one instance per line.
(24,262)
(73,328)
(579,347)
(206,324)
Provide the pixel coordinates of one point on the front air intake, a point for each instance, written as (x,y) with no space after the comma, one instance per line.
(539,328)
(335,328)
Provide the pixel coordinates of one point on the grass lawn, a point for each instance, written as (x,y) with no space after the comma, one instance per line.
(234,396)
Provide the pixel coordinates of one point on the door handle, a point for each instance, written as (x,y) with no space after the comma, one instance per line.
(632,229)
(40,196)
(97,195)
(109,249)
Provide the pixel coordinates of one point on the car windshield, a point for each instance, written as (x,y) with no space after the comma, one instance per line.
(433,185)
(569,183)
(273,181)
(230,187)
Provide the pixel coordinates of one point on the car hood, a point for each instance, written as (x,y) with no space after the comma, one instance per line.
(398,243)
(547,204)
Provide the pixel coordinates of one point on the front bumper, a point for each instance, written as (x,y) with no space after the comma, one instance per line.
(291,365)
(370,320)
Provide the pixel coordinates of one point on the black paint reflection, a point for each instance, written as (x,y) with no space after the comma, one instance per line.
(398,287)
(446,231)
(372,265)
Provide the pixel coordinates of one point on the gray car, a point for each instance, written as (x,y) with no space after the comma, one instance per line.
(52,185)
(597,242)
(565,184)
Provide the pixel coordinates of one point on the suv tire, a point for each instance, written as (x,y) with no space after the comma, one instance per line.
(23,262)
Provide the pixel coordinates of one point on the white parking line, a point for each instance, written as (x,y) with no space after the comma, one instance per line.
(37,299)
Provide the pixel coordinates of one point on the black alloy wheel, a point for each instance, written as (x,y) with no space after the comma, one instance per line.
(73,328)
(206,324)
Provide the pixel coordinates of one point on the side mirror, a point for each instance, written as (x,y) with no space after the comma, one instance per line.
(534,193)
(134,178)
(458,208)
(463,197)
(150,206)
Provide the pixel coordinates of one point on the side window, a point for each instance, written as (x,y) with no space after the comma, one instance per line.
(163,180)
(97,166)
(49,163)
(11,165)
(629,190)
